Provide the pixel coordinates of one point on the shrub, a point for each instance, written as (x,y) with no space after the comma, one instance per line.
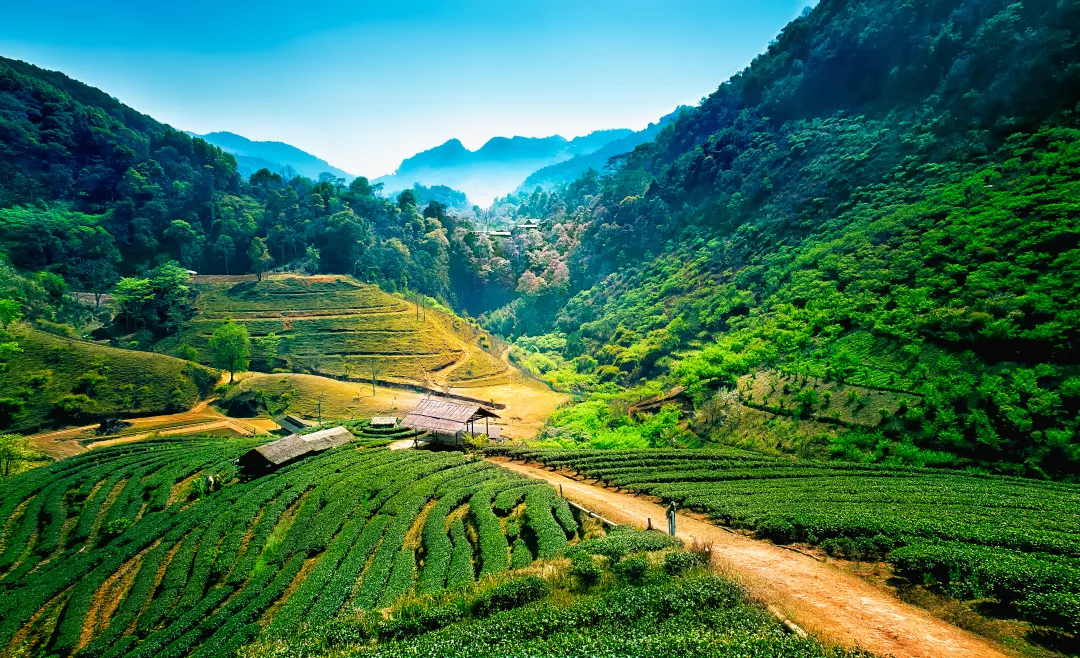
(633,569)
(510,595)
(418,618)
(1059,610)
(584,570)
(679,562)
(188,353)
(778,530)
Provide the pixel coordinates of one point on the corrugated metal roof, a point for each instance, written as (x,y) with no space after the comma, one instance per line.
(283,450)
(384,421)
(443,416)
(437,408)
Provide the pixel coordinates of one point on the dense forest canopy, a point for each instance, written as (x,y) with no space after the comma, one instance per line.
(886,197)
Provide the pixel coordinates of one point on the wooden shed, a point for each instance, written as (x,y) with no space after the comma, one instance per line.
(445,418)
(274,455)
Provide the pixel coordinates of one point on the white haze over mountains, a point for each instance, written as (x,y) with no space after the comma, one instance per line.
(501,166)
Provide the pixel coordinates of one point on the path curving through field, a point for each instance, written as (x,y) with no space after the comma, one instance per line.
(835,605)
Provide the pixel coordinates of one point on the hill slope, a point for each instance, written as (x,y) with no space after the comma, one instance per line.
(569,170)
(336,326)
(156,563)
(59,380)
(865,203)
(275,156)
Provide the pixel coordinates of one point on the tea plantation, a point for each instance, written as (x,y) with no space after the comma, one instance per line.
(970,535)
(134,550)
(632,593)
(336,326)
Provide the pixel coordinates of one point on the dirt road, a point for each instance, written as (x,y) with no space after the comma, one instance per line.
(836,606)
(202,418)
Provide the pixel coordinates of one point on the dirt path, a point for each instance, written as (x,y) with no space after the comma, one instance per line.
(835,605)
(201,418)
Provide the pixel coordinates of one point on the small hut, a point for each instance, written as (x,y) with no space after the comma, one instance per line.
(678,397)
(290,423)
(282,452)
(448,419)
(384,422)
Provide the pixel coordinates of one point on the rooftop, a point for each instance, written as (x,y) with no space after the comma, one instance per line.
(445,417)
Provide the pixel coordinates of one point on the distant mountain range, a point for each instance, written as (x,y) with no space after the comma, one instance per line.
(566,171)
(252,156)
(496,168)
(502,165)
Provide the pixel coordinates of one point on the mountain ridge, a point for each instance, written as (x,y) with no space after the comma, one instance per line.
(499,166)
(252,155)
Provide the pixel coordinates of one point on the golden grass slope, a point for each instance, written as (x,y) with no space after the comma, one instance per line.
(339,327)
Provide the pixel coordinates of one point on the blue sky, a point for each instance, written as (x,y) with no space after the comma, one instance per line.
(365,84)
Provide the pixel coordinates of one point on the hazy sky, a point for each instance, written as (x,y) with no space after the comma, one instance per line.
(366,84)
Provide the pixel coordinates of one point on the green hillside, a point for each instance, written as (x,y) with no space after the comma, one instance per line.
(971,536)
(864,205)
(55,380)
(337,326)
(126,551)
(626,594)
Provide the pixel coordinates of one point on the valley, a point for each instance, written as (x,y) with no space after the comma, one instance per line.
(823,323)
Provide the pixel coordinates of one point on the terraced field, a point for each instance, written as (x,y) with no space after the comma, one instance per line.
(128,551)
(972,536)
(334,325)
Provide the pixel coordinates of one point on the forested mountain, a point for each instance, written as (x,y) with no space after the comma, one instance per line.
(889,197)
(497,167)
(568,170)
(252,156)
(91,190)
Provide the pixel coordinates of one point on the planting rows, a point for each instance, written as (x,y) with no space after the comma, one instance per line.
(372,437)
(338,327)
(133,551)
(973,536)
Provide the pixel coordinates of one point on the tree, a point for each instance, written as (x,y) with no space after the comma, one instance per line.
(183,236)
(132,297)
(14,450)
(9,312)
(260,257)
(231,346)
(311,264)
(225,247)
(188,353)
(269,346)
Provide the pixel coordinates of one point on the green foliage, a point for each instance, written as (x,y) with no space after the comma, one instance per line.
(678,562)
(231,347)
(694,616)
(15,453)
(972,534)
(57,379)
(622,541)
(235,548)
(584,570)
(512,594)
